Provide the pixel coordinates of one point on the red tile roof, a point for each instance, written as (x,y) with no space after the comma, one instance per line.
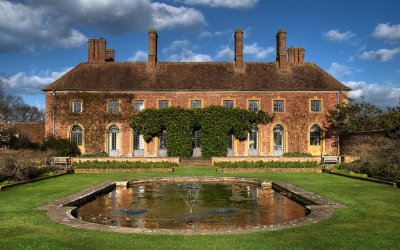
(195,76)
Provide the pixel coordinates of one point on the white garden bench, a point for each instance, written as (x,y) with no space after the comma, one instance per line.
(60,161)
(330,159)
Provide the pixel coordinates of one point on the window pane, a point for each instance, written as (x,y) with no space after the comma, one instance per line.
(76,137)
(196,139)
(315,135)
(138,106)
(253,105)
(163,140)
(195,104)
(163,104)
(316,105)
(138,141)
(76,106)
(279,106)
(228,104)
(113,106)
(253,137)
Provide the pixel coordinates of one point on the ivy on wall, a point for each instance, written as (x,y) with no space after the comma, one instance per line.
(215,122)
(95,118)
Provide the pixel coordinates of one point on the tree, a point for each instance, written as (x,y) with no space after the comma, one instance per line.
(5,133)
(354,117)
(13,108)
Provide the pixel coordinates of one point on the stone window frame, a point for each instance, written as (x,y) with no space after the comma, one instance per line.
(284,105)
(108,106)
(73,106)
(163,99)
(315,99)
(196,99)
(253,99)
(228,99)
(319,139)
(83,130)
(138,141)
(138,100)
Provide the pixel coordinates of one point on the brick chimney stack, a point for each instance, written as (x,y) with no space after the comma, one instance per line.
(152,56)
(239,49)
(97,50)
(110,54)
(281,49)
(296,55)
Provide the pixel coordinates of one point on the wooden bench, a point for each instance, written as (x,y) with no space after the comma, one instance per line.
(60,161)
(330,159)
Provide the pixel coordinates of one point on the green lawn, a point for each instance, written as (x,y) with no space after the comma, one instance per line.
(371,219)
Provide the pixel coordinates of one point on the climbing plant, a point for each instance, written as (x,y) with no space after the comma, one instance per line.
(215,122)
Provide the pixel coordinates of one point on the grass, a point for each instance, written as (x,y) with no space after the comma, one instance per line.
(369,221)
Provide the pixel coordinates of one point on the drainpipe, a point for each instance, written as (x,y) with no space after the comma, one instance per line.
(54,113)
(337,132)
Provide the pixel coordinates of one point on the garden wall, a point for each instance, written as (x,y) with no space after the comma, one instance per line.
(353,144)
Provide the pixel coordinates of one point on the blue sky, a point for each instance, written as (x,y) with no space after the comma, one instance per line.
(356,41)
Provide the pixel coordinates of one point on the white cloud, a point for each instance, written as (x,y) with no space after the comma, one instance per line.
(214,33)
(237,4)
(338,70)
(187,55)
(257,51)
(21,83)
(225,53)
(386,31)
(140,56)
(26,28)
(387,95)
(382,55)
(34,24)
(124,15)
(175,45)
(337,36)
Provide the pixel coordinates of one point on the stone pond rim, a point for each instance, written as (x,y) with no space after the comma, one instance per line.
(62,210)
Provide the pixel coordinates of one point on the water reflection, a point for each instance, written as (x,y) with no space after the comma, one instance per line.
(191,205)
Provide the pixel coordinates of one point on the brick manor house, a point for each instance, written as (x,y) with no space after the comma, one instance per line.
(92,104)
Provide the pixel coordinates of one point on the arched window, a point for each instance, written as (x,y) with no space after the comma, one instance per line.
(253,138)
(315,135)
(113,131)
(76,136)
(163,140)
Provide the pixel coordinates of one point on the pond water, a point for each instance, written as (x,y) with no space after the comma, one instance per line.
(194,205)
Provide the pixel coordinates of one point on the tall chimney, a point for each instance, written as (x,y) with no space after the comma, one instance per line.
(152,56)
(296,55)
(97,50)
(281,49)
(239,49)
(110,54)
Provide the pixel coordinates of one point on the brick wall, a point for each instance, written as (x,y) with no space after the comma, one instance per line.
(296,120)
(33,130)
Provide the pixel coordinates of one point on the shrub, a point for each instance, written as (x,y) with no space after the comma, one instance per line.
(297,154)
(271,164)
(61,147)
(22,165)
(95,155)
(382,160)
(122,164)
